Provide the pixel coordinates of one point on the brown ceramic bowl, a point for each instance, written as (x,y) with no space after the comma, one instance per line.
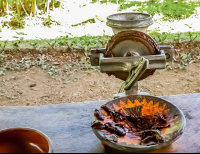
(24,140)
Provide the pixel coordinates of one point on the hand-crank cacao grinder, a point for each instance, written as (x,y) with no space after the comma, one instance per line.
(131,54)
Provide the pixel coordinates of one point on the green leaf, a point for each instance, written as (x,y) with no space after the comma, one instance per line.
(184,56)
(21,33)
(50,73)
(2,55)
(169,67)
(86,48)
(2,73)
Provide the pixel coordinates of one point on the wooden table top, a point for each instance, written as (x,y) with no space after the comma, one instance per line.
(68,125)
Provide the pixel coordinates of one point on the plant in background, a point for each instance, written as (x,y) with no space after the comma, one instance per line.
(17,42)
(185,58)
(48,22)
(192,36)
(4,5)
(85,22)
(99,18)
(53,71)
(177,37)
(17,22)
(169,67)
(28,7)
(195,52)
(2,56)
(167,37)
(3,44)
(52,43)
(2,71)
(170,9)
(34,43)
(163,37)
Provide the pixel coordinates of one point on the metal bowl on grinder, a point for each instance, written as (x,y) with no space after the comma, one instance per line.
(129,21)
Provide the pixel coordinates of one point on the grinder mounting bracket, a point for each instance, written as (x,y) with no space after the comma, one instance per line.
(110,65)
(122,58)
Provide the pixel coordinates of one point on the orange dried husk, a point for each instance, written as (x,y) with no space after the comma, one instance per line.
(148,109)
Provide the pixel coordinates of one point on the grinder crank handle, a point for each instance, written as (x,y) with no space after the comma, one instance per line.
(135,73)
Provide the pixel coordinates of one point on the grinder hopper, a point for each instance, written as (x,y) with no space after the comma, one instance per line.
(129,21)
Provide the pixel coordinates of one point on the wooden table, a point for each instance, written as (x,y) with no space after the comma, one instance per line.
(68,125)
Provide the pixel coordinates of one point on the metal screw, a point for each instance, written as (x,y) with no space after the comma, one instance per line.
(96,60)
(128,54)
(167,56)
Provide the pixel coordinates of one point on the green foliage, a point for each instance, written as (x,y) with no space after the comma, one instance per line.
(3,44)
(163,37)
(2,71)
(85,22)
(21,33)
(179,37)
(48,22)
(2,56)
(185,58)
(83,42)
(17,42)
(169,67)
(124,6)
(34,43)
(52,71)
(192,36)
(16,22)
(87,42)
(57,4)
(98,18)
(170,9)
(108,1)
(181,67)
(104,1)
(22,7)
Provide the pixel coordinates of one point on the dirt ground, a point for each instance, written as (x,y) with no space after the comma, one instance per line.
(33,79)
(36,87)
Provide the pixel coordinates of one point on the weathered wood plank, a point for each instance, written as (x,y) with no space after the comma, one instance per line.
(68,125)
